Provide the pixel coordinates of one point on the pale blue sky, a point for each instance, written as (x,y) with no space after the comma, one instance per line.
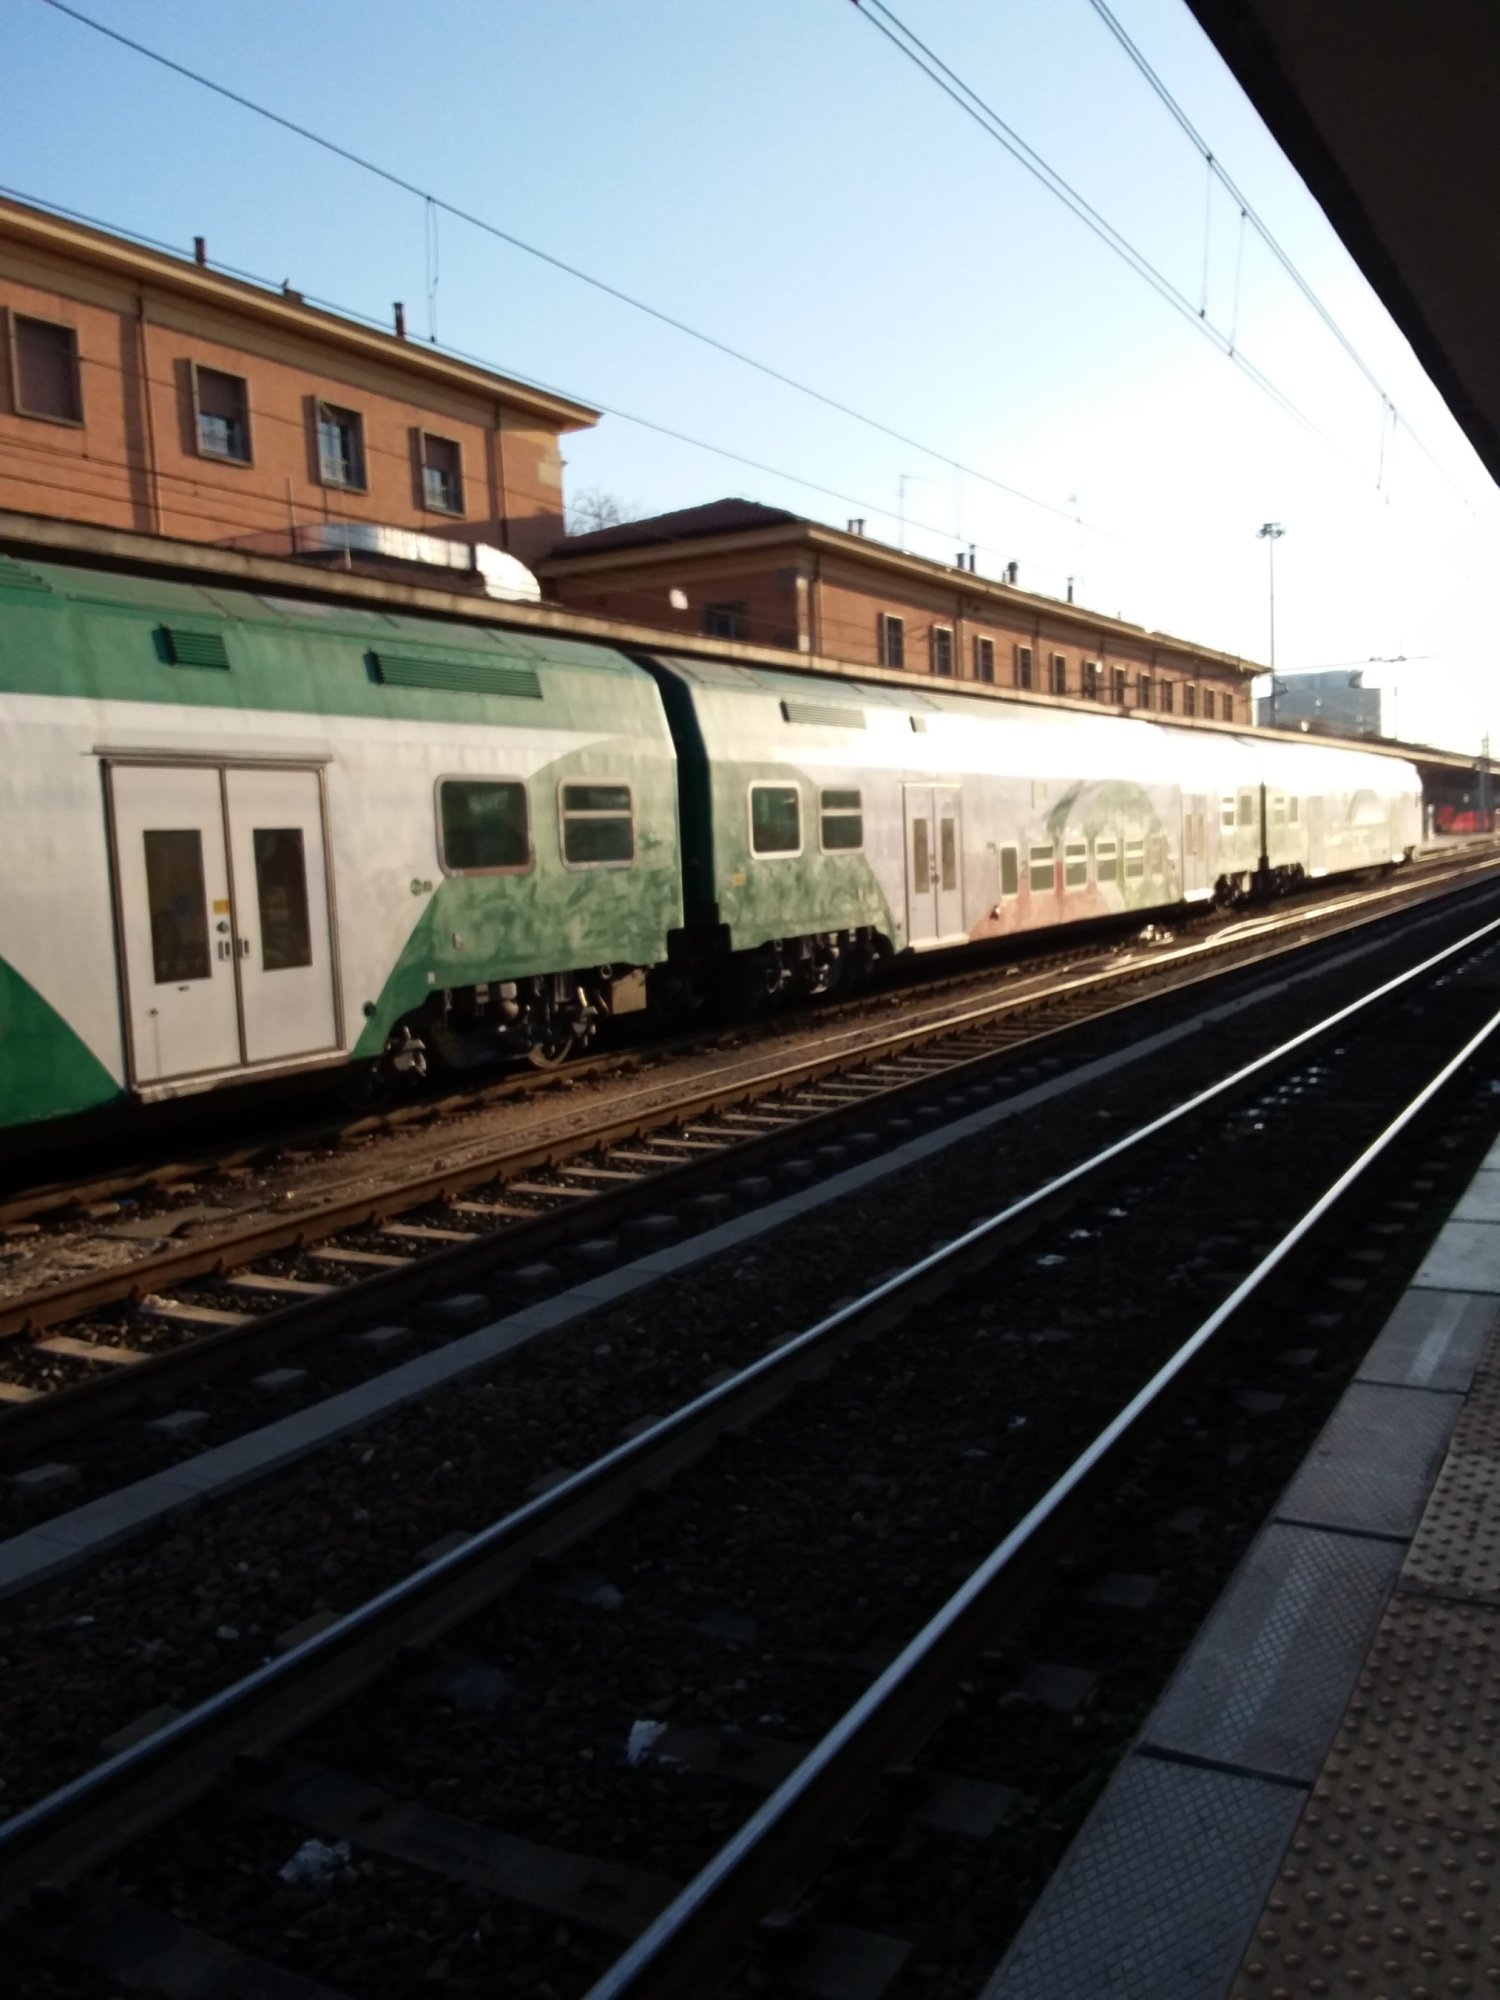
(775,173)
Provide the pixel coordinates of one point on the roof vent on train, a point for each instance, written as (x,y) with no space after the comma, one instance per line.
(498,574)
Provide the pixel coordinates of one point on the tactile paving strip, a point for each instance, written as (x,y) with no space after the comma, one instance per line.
(1391,1884)
(1265,1683)
(1456,1550)
(1159,1893)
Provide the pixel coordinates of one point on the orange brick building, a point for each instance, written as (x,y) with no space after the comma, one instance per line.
(740,571)
(144,391)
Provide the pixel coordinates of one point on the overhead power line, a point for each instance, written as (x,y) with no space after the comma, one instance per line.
(1264,232)
(969,100)
(436,202)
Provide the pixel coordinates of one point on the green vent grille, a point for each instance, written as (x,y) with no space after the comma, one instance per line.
(459,676)
(195,649)
(13,577)
(832,718)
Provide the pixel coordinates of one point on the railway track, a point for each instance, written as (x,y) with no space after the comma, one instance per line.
(1347,1091)
(100,1344)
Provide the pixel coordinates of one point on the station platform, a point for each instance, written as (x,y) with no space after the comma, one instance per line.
(1313,1808)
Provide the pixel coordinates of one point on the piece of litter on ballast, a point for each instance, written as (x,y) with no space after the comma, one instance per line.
(315,1861)
(642,1740)
(1050,1259)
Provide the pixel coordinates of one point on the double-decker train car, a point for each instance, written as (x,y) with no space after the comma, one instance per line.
(825,824)
(247,834)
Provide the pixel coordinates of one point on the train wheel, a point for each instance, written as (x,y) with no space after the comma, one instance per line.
(554,1048)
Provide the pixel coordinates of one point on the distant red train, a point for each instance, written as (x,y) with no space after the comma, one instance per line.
(1462,819)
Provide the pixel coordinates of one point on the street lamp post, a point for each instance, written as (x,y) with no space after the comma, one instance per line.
(1271,533)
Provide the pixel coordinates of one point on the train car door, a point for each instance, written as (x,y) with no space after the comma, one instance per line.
(224,918)
(934,863)
(1195,882)
(176,931)
(281,912)
(1317,846)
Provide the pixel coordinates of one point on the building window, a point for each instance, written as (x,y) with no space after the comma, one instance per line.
(942,650)
(484,826)
(1091,680)
(725,621)
(1057,679)
(1189,698)
(841,822)
(1168,698)
(984,659)
(1229,708)
(1117,685)
(1208,704)
(1023,667)
(442,475)
(341,448)
(44,370)
(775,819)
(1143,691)
(890,634)
(598,826)
(221,412)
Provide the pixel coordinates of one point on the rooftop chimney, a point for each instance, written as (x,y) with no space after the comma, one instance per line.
(856,527)
(400,320)
(200,250)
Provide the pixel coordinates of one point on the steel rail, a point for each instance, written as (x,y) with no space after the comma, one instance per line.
(98,1812)
(787,1837)
(57,1413)
(37,1310)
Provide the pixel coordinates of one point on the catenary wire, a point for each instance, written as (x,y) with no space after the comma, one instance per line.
(437,202)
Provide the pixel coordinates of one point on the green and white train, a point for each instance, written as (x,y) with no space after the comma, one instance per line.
(247,834)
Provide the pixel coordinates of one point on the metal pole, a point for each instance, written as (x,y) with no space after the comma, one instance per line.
(1271,533)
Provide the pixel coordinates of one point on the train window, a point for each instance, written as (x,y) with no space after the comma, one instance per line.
(1246,813)
(842,822)
(598,826)
(942,650)
(775,819)
(1043,870)
(1226,809)
(948,852)
(1135,860)
(1189,698)
(890,633)
(1091,680)
(484,826)
(984,659)
(1156,855)
(1076,865)
(1058,683)
(179,907)
(44,376)
(1106,859)
(1010,871)
(281,892)
(1278,809)
(1294,811)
